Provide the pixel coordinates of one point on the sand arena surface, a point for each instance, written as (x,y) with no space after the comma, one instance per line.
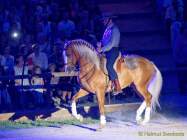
(121,125)
(167,124)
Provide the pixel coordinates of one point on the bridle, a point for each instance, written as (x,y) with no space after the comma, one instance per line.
(89,73)
(71,63)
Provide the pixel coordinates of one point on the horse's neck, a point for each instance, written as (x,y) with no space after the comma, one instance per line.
(103,63)
(85,65)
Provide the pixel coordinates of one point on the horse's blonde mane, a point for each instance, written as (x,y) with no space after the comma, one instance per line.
(85,50)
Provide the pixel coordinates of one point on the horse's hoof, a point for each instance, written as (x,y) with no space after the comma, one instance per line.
(139,120)
(101,127)
(80,117)
(143,122)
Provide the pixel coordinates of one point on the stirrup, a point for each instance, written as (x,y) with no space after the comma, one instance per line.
(116,92)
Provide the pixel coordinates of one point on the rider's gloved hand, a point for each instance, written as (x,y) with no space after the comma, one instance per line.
(99,47)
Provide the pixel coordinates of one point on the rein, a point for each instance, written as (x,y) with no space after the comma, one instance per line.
(87,74)
(83,66)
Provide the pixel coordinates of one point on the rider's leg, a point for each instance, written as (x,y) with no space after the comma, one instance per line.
(111,57)
(117,89)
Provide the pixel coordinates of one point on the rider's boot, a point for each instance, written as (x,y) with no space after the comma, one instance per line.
(117,87)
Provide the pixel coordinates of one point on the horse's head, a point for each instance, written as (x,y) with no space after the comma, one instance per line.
(70,57)
(80,51)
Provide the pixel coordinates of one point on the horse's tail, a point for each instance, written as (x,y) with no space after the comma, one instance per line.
(154,88)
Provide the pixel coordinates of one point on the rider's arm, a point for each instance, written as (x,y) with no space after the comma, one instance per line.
(114,40)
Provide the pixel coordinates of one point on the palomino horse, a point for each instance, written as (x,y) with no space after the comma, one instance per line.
(133,69)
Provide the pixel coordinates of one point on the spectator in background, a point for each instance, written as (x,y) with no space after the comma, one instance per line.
(18,70)
(5,27)
(56,56)
(54,80)
(43,25)
(74,9)
(15,29)
(174,18)
(39,12)
(1,58)
(94,12)
(160,7)
(185,10)
(90,37)
(84,21)
(98,27)
(66,27)
(26,50)
(174,11)
(181,59)
(65,95)
(181,48)
(46,7)
(43,43)
(3,42)
(5,100)
(7,61)
(6,22)
(55,14)
(46,26)
(38,92)
(27,43)
(53,68)
(38,58)
(44,21)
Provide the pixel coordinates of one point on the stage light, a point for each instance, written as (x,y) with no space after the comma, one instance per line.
(15,34)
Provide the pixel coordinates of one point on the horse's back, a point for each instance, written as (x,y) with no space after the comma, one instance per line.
(134,61)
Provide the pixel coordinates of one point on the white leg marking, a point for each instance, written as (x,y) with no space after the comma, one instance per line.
(147,115)
(102,120)
(65,59)
(74,111)
(140,111)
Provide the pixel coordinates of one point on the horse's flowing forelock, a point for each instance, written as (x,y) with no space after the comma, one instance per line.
(86,50)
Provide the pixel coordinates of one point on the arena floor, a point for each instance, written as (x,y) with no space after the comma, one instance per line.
(169,123)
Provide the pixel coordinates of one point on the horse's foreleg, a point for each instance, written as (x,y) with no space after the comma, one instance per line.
(78,95)
(101,102)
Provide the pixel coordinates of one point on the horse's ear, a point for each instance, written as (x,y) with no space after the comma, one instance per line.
(66,43)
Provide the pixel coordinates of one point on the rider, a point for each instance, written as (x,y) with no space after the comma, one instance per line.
(110,46)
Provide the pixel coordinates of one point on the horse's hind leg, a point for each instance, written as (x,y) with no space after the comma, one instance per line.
(140,111)
(144,106)
(78,95)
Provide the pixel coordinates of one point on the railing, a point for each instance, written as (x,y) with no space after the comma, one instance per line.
(8,83)
(63,85)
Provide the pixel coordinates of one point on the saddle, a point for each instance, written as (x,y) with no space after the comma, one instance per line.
(128,62)
(117,65)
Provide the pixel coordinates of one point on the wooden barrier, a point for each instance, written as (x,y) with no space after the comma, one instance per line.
(64,74)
